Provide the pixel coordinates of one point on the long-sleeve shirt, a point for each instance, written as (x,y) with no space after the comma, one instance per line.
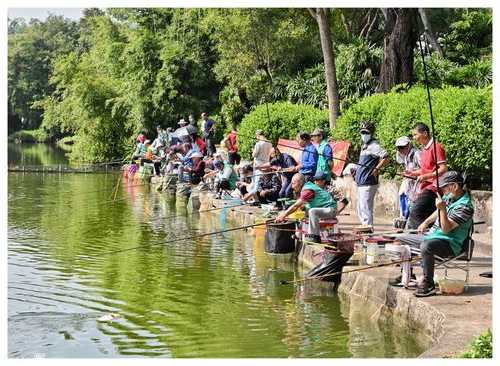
(284,161)
(269,182)
(309,160)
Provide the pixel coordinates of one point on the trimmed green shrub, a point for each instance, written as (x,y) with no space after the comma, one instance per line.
(463,122)
(481,347)
(285,121)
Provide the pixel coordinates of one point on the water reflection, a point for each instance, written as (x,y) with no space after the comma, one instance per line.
(216,296)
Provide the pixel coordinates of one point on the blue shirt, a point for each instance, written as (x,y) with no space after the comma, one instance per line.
(309,160)
(369,157)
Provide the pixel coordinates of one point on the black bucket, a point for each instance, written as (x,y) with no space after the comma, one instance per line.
(280,237)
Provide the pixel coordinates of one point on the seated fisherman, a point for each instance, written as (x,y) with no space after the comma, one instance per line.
(448,233)
(140,148)
(317,201)
(225,177)
(197,169)
(245,181)
(282,162)
(268,187)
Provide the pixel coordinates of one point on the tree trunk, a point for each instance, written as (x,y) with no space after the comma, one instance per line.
(430,34)
(321,17)
(399,41)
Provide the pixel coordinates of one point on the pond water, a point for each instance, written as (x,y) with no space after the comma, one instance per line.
(217,296)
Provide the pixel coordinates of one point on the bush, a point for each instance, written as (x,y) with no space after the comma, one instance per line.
(357,67)
(285,121)
(38,135)
(442,72)
(481,347)
(463,122)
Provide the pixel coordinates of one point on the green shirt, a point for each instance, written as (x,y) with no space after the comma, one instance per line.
(460,211)
(322,162)
(321,199)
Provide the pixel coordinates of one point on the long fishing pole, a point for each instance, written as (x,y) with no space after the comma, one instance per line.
(426,81)
(192,237)
(284,282)
(207,210)
(301,149)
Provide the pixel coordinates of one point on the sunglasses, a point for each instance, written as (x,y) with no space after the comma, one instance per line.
(365,133)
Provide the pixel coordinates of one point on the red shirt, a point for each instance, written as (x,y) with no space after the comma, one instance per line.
(307,195)
(428,163)
(232,142)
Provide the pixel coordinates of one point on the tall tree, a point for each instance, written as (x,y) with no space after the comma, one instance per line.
(428,31)
(400,35)
(321,17)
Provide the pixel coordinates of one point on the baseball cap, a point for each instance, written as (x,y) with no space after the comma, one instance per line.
(366,127)
(450,177)
(402,141)
(320,176)
(317,132)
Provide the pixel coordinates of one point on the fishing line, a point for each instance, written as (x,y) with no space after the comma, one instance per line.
(426,81)
(285,282)
(192,237)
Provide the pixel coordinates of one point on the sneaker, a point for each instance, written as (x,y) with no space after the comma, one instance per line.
(425,290)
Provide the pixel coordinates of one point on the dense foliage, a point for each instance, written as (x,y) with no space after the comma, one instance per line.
(117,72)
(277,120)
(481,347)
(463,123)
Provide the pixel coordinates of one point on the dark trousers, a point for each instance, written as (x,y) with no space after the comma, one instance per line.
(428,249)
(286,187)
(234,158)
(422,208)
(271,197)
(210,146)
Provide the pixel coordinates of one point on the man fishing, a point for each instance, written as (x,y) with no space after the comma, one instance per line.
(372,158)
(451,223)
(432,159)
(318,202)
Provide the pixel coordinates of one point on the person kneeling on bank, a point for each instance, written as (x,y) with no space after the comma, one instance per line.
(318,202)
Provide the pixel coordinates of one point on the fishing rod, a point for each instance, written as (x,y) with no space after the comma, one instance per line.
(301,149)
(207,210)
(285,282)
(426,81)
(192,237)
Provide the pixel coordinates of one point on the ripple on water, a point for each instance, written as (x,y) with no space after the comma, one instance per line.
(209,297)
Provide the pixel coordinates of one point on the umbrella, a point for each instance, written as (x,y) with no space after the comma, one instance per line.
(184,131)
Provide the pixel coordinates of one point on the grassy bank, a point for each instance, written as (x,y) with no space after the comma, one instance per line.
(481,347)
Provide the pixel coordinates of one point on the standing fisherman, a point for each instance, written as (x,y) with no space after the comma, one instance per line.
(208,130)
(372,158)
(309,157)
(409,156)
(425,203)
(325,153)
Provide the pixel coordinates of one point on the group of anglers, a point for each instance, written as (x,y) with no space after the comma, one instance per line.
(442,204)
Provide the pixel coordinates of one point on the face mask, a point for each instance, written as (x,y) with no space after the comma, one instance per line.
(366,138)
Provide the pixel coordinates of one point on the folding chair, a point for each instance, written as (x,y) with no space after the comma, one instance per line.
(455,262)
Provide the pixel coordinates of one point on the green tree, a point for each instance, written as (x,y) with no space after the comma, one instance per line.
(32,49)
